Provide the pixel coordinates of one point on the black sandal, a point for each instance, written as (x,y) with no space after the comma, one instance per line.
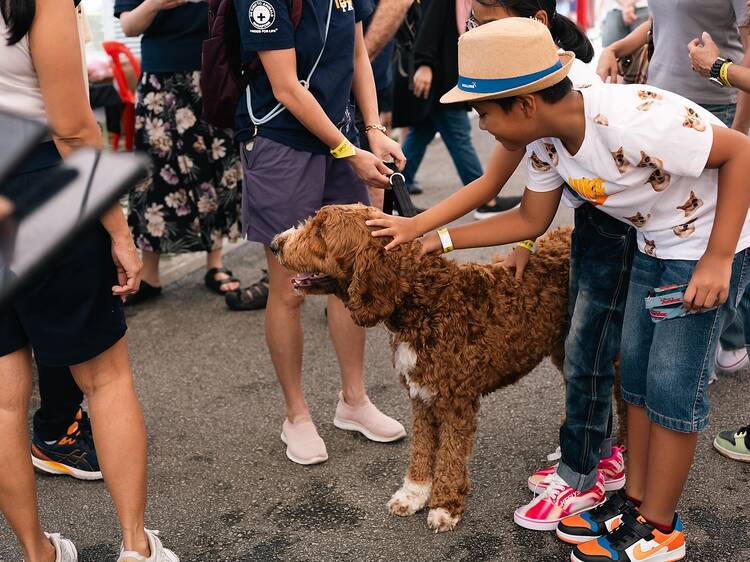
(216,284)
(254,297)
(145,293)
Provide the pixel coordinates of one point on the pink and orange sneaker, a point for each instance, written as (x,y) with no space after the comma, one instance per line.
(557,502)
(612,468)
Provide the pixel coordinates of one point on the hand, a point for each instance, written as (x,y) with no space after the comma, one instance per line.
(167,4)
(385,148)
(431,244)
(709,284)
(629,15)
(517,259)
(128,264)
(607,66)
(423,81)
(703,54)
(401,229)
(370,169)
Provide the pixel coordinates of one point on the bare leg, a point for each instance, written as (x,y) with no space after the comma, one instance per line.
(639,431)
(670,455)
(120,435)
(415,493)
(18,500)
(284,337)
(214,260)
(451,481)
(150,271)
(349,341)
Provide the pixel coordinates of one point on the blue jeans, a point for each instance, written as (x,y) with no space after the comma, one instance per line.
(600,257)
(455,129)
(733,335)
(666,366)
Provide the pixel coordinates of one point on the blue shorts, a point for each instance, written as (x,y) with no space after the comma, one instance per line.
(283,186)
(666,366)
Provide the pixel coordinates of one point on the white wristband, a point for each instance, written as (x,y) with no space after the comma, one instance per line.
(445,240)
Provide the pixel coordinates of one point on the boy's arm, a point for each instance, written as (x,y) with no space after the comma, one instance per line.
(709,284)
(502,165)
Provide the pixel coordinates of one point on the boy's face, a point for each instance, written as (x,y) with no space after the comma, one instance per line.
(514,129)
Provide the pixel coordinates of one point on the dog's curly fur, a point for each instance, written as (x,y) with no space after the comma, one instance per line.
(458,332)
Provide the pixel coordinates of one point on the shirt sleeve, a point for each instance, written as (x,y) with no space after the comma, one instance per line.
(125,6)
(363,9)
(740,12)
(265,25)
(543,176)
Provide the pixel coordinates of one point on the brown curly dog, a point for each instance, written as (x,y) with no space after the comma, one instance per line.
(458,332)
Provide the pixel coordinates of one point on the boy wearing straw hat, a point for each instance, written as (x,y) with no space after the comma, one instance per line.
(652,159)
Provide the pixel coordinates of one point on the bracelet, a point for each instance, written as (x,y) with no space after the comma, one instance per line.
(344,150)
(445,240)
(724,73)
(530,245)
(380,128)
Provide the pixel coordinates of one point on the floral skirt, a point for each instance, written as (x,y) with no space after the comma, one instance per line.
(191,200)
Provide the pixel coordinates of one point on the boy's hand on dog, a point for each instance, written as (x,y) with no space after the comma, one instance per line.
(401,229)
(709,284)
(517,259)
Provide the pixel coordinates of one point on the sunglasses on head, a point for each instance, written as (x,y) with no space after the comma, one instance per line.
(473,23)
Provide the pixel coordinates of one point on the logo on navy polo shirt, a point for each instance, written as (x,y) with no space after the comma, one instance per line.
(345,5)
(262,15)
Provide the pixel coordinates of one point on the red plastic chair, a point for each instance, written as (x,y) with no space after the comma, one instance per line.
(115,49)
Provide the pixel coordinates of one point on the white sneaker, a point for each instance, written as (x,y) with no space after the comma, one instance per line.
(731,361)
(158,552)
(65,550)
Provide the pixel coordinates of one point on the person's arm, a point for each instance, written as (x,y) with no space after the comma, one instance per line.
(386,20)
(607,66)
(709,284)
(281,68)
(365,94)
(427,45)
(502,165)
(55,50)
(138,20)
(529,221)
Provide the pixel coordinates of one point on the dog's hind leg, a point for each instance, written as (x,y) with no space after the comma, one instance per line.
(458,425)
(415,493)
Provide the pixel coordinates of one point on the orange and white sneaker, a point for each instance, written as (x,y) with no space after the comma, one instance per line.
(557,502)
(612,468)
(634,540)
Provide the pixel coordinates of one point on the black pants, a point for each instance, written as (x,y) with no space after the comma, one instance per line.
(61,399)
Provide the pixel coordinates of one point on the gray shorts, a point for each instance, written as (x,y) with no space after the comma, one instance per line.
(283,186)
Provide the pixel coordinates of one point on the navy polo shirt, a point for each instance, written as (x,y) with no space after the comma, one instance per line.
(173,41)
(265,25)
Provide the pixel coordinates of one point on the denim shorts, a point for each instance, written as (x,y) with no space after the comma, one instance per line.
(666,366)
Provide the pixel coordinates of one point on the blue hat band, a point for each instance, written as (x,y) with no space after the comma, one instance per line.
(498,85)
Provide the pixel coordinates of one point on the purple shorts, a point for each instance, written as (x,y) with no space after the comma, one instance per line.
(284,186)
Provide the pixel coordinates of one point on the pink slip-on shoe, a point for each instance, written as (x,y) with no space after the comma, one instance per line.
(303,444)
(369,421)
(612,468)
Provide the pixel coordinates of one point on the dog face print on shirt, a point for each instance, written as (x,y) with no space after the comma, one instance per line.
(650,247)
(539,164)
(684,230)
(620,161)
(638,220)
(647,95)
(659,180)
(601,120)
(552,153)
(649,162)
(591,189)
(645,106)
(691,205)
(693,120)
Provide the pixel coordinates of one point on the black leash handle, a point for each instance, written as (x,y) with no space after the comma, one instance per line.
(397,197)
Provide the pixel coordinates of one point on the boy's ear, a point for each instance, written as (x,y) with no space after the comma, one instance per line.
(527,104)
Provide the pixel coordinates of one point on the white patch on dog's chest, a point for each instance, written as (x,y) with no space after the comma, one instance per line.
(404,360)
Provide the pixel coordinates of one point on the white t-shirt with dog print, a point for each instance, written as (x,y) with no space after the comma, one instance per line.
(642,161)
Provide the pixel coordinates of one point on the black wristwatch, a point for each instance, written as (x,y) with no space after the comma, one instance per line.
(716,69)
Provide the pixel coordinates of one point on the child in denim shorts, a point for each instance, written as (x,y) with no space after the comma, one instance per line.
(669,168)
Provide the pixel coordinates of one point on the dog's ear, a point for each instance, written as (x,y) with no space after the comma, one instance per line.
(374,289)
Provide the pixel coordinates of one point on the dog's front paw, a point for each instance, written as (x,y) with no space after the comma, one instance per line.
(410,498)
(440,520)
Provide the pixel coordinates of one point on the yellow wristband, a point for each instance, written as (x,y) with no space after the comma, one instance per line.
(344,150)
(445,240)
(530,245)
(724,74)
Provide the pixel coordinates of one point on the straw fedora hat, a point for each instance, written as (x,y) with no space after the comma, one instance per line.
(508,57)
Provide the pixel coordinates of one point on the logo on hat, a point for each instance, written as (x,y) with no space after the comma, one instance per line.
(262,15)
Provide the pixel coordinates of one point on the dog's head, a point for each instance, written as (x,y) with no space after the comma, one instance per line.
(333,252)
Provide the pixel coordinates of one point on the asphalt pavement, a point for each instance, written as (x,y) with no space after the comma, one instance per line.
(221,488)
